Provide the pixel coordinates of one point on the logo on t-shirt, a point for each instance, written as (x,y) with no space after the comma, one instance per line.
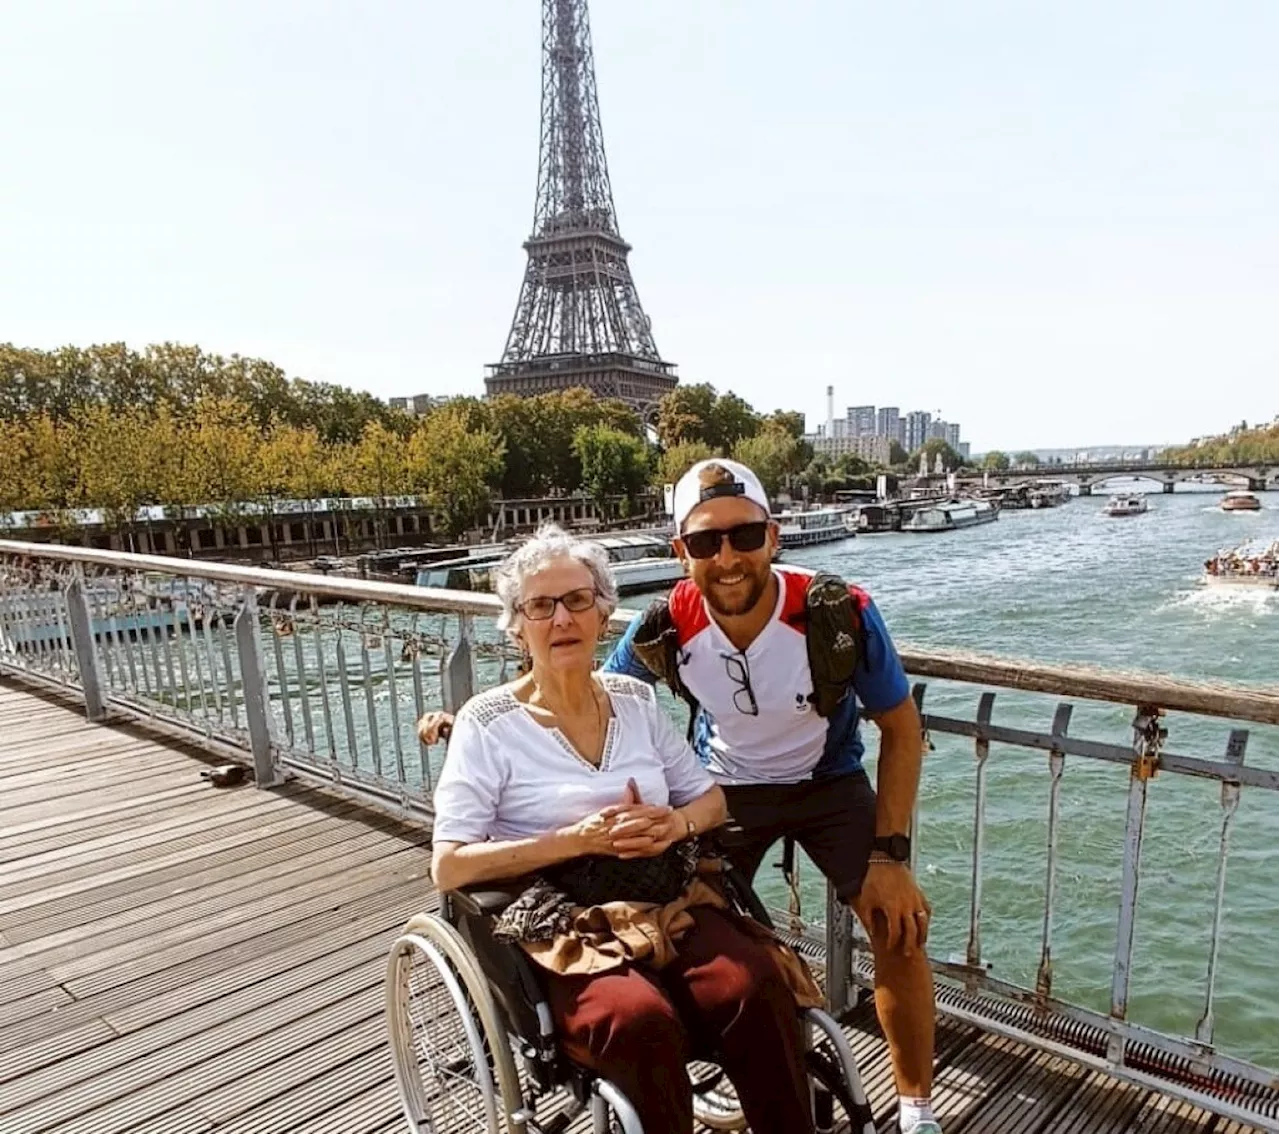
(802,704)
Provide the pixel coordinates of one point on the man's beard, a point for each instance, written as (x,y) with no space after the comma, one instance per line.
(759,583)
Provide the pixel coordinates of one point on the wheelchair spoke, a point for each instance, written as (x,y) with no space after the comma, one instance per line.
(454,1061)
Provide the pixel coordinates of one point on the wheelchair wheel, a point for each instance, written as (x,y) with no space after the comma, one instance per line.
(453,1064)
(839,1101)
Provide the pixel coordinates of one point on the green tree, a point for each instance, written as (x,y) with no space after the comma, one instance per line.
(789,421)
(381,469)
(996,460)
(731,420)
(772,455)
(679,459)
(455,467)
(935,445)
(1026,459)
(684,415)
(614,463)
(222,450)
(897,454)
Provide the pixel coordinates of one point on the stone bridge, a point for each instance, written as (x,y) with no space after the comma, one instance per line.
(1257,478)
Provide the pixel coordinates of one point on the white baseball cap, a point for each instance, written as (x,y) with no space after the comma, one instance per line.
(695,488)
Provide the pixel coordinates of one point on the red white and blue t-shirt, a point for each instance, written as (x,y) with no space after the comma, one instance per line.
(784,740)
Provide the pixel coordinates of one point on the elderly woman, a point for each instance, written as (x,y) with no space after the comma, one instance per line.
(577,778)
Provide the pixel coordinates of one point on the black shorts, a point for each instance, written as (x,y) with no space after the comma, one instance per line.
(833,820)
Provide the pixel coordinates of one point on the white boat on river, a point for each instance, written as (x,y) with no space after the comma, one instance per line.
(951,515)
(821,525)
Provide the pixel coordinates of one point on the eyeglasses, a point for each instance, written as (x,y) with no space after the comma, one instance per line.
(739,673)
(743,537)
(541,607)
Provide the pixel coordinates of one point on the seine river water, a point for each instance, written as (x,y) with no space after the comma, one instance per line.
(1071,584)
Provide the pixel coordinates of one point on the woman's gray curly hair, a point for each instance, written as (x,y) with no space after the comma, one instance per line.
(552,542)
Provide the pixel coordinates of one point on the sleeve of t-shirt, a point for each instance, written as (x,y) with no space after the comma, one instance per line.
(466,796)
(624,660)
(882,683)
(686,777)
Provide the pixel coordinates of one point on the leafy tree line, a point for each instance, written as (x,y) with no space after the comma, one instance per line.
(1242,446)
(119,429)
(58,384)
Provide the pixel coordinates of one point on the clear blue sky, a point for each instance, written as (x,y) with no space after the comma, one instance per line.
(1054,222)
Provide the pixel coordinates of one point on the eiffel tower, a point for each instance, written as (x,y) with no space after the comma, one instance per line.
(578,320)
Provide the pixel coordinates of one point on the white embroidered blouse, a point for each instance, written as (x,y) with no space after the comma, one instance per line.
(508,777)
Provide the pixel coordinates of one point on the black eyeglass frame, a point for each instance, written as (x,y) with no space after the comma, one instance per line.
(742,680)
(557,600)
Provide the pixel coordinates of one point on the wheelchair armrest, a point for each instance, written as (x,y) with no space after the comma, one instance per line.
(483,901)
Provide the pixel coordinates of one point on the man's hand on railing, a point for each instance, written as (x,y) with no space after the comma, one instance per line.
(893,907)
(434,726)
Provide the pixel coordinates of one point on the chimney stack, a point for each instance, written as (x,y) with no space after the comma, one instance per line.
(831,411)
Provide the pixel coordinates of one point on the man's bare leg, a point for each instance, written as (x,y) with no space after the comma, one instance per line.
(905,1006)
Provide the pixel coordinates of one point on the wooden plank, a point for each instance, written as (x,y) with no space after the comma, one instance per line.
(973,1074)
(195,979)
(176,776)
(103,848)
(349,848)
(99,971)
(1100,1105)
(1039,1089)
(24,900)
(127,1065)
(354,1098)
(281,852)
(51,1049)
(1162,1115)
(317,1042)
(155,800)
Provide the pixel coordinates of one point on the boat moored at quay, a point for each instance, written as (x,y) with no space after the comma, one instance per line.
(951,515)
(818,525)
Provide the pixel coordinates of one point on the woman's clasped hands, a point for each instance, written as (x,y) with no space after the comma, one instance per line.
(630,829)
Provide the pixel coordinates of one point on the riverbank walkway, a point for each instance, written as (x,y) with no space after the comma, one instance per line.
(181,959)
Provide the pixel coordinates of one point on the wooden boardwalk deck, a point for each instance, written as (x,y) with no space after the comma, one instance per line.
(176,959)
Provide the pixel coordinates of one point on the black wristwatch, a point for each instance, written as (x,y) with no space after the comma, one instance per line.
(897,847)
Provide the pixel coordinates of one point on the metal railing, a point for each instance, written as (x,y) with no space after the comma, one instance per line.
(323,678)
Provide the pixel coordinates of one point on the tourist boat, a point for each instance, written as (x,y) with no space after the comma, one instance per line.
(1134,504)
(1243,566)
(951,515)
(1049,494)
(820,525)
(1240,500)
(640,563)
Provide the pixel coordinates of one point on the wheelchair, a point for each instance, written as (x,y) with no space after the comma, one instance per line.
(475,1048)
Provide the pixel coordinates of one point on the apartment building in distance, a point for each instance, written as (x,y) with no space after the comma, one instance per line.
(889,423)
(862,421)
(869,433)
(418,404)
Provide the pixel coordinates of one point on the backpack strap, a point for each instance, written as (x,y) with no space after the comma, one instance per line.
(834,639)
(657,644)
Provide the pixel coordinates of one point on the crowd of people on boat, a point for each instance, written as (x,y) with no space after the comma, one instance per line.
(1262,565)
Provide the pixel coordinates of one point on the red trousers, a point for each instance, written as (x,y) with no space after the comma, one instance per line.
(724,996)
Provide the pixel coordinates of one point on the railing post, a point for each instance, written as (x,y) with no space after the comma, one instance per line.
(253,687)
(840,984)
(86,650)
(457,680)
(1148,737)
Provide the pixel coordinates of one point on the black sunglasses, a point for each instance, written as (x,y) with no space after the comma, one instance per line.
(742,537)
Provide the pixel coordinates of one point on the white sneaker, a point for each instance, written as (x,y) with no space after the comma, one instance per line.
(924,1128)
